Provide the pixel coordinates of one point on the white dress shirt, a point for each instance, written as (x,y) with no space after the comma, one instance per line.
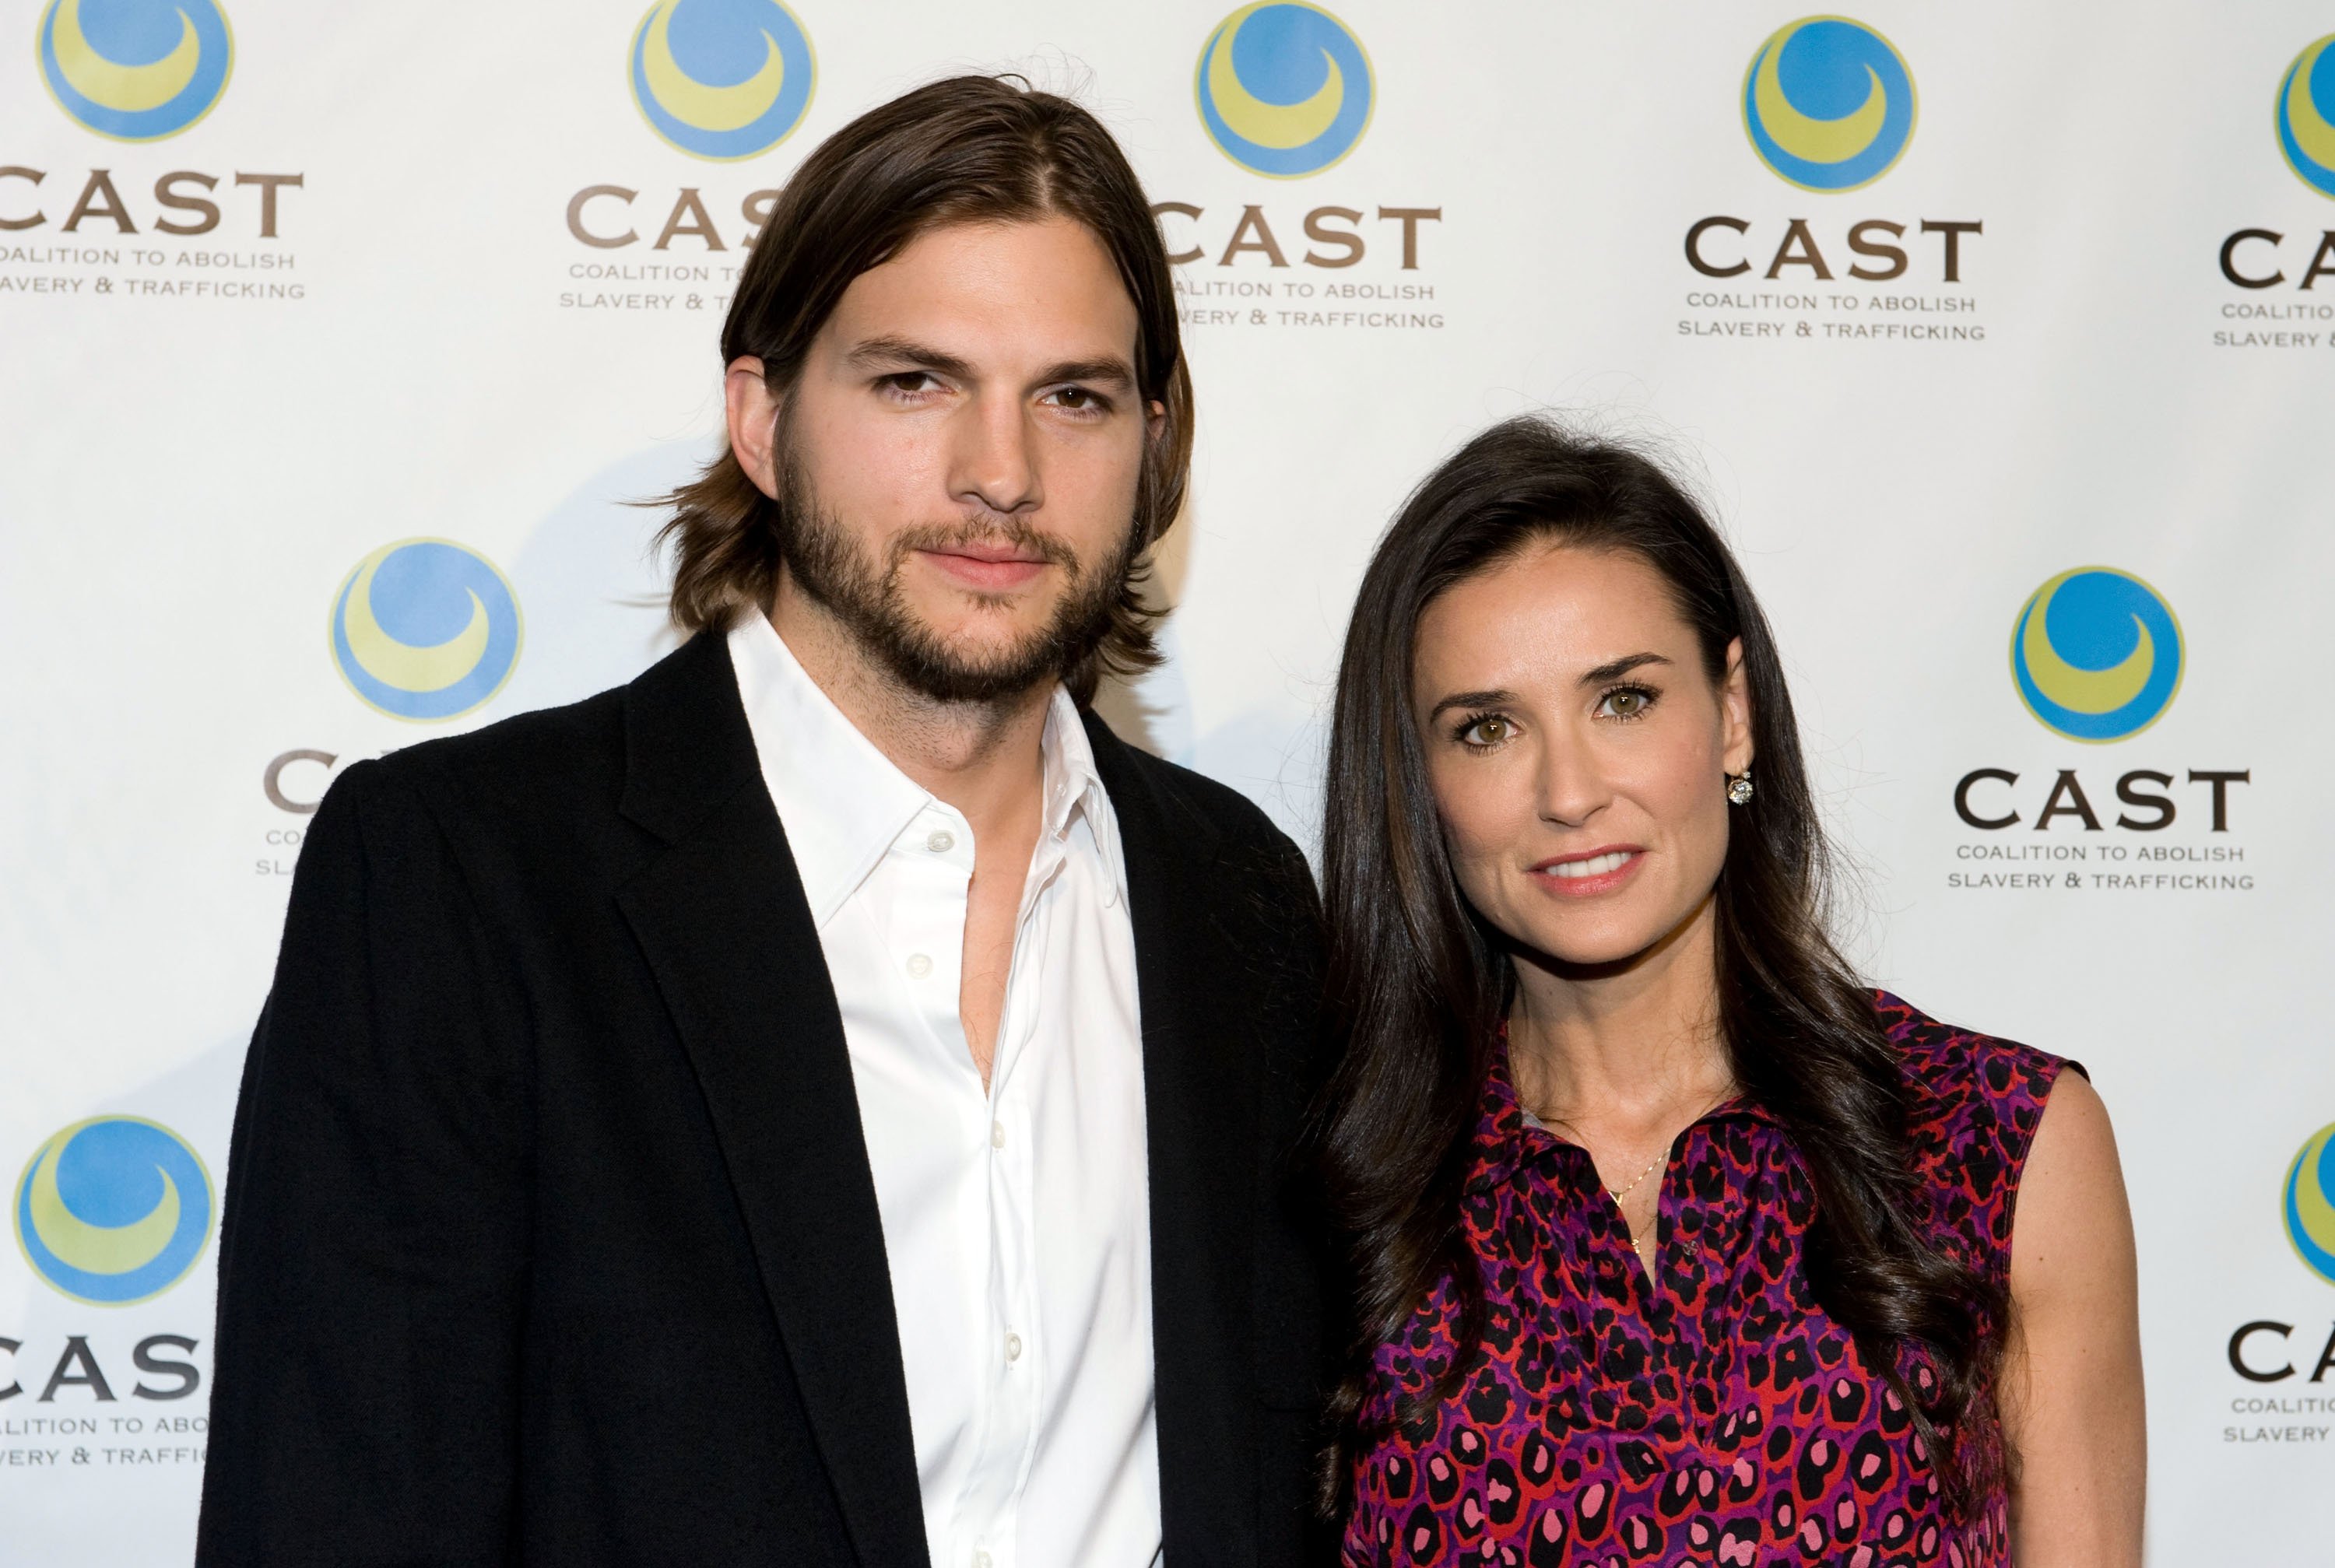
(1016,1220)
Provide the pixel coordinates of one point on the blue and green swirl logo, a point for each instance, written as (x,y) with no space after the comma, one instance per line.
(2097,654)
(135,70)
(114,1210)
(1828,103)
(425,629)
(2306,116)
(1285,88)
(722,79)
(2309,1203)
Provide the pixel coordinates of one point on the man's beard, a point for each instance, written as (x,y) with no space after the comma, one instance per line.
(827,563)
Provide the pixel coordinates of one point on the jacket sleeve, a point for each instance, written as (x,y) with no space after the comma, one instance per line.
(372,1253)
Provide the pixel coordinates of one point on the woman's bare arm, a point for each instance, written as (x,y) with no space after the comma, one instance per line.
(2071,1385)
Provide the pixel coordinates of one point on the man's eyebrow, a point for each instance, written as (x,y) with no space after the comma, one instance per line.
(899,351)
(1110,370)
(1613,670)
(1470,700)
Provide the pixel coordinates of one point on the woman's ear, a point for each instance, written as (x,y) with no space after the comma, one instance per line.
(1735,712)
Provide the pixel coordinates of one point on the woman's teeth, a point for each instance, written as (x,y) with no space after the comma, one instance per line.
(1596,866)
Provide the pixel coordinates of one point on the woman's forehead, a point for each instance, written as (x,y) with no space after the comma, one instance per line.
(1551,608)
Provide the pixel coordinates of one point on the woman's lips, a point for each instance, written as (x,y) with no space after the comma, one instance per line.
(1586,876)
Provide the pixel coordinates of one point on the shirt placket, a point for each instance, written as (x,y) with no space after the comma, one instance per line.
(1020,1338)
(933,861)
(1011,1380)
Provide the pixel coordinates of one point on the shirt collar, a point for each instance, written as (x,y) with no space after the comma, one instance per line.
(1074,791)
(843,802)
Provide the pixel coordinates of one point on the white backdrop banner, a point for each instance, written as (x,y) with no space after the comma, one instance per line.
(334,342)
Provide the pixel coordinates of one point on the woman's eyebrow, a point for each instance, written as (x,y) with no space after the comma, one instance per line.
(1614,669)
(1471,700)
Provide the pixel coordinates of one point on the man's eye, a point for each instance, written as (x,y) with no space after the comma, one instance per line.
(1077,399)
(910,382)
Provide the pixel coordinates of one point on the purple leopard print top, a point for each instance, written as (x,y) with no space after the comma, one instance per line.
(1717,1418)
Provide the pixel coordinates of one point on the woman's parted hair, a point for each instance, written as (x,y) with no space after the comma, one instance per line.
(966,149)
(1419,984)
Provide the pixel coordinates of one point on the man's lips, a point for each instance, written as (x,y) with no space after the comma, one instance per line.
(989,567)
(1599,870)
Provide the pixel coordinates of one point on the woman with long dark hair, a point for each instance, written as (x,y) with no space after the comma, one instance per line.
(1673,1242)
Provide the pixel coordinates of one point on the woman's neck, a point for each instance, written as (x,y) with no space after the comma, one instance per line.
(1622,1047)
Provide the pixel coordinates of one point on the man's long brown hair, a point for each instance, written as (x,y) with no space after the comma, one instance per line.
(968,149)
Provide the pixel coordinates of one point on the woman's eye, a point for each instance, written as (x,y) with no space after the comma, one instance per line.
(1487,732)
(1628,703)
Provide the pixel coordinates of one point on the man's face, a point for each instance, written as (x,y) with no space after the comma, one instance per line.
(958,460)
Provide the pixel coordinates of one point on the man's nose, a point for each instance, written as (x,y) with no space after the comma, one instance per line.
(993,462)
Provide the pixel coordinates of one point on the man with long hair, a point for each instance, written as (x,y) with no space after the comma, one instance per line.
(828,1102)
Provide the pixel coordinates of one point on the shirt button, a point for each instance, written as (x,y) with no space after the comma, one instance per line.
(981,1560)
(1013,1347)
(997,1135)
(919,966)
(941,843)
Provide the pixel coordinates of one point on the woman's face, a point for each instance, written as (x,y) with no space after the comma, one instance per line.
(1577,751)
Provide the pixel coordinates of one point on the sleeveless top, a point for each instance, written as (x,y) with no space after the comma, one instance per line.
(1717,1415)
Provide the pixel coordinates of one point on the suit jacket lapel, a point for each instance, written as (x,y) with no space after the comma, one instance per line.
(728,934)
(1200,1095)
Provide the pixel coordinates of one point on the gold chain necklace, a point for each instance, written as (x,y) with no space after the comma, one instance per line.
(1618,1193)
(1637,1243)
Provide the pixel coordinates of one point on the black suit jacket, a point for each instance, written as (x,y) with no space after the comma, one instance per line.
(550,1235)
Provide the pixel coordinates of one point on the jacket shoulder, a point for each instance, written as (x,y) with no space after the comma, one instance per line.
(551,753)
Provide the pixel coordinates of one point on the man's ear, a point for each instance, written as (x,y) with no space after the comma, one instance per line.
(753,409)
(1154,419)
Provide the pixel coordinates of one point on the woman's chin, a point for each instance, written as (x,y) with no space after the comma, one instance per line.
(1590,944)
(1582,954)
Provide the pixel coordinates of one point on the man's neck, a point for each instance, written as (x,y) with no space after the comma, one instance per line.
(984,759)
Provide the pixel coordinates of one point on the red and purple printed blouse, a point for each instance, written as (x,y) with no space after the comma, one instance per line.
(1718,1416)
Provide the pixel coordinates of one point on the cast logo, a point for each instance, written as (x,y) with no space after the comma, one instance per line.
(2305,114)
(114,1210)
(722,79)
(2308,1207)
(1829,104)
(1285,89)
(2306,105)
(2309,1203)
(135,70)
(425,630)
(2097,654)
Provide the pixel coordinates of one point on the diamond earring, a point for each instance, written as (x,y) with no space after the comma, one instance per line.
(1738,789)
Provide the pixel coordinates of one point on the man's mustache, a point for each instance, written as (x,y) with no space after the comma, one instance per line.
(1013,534)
